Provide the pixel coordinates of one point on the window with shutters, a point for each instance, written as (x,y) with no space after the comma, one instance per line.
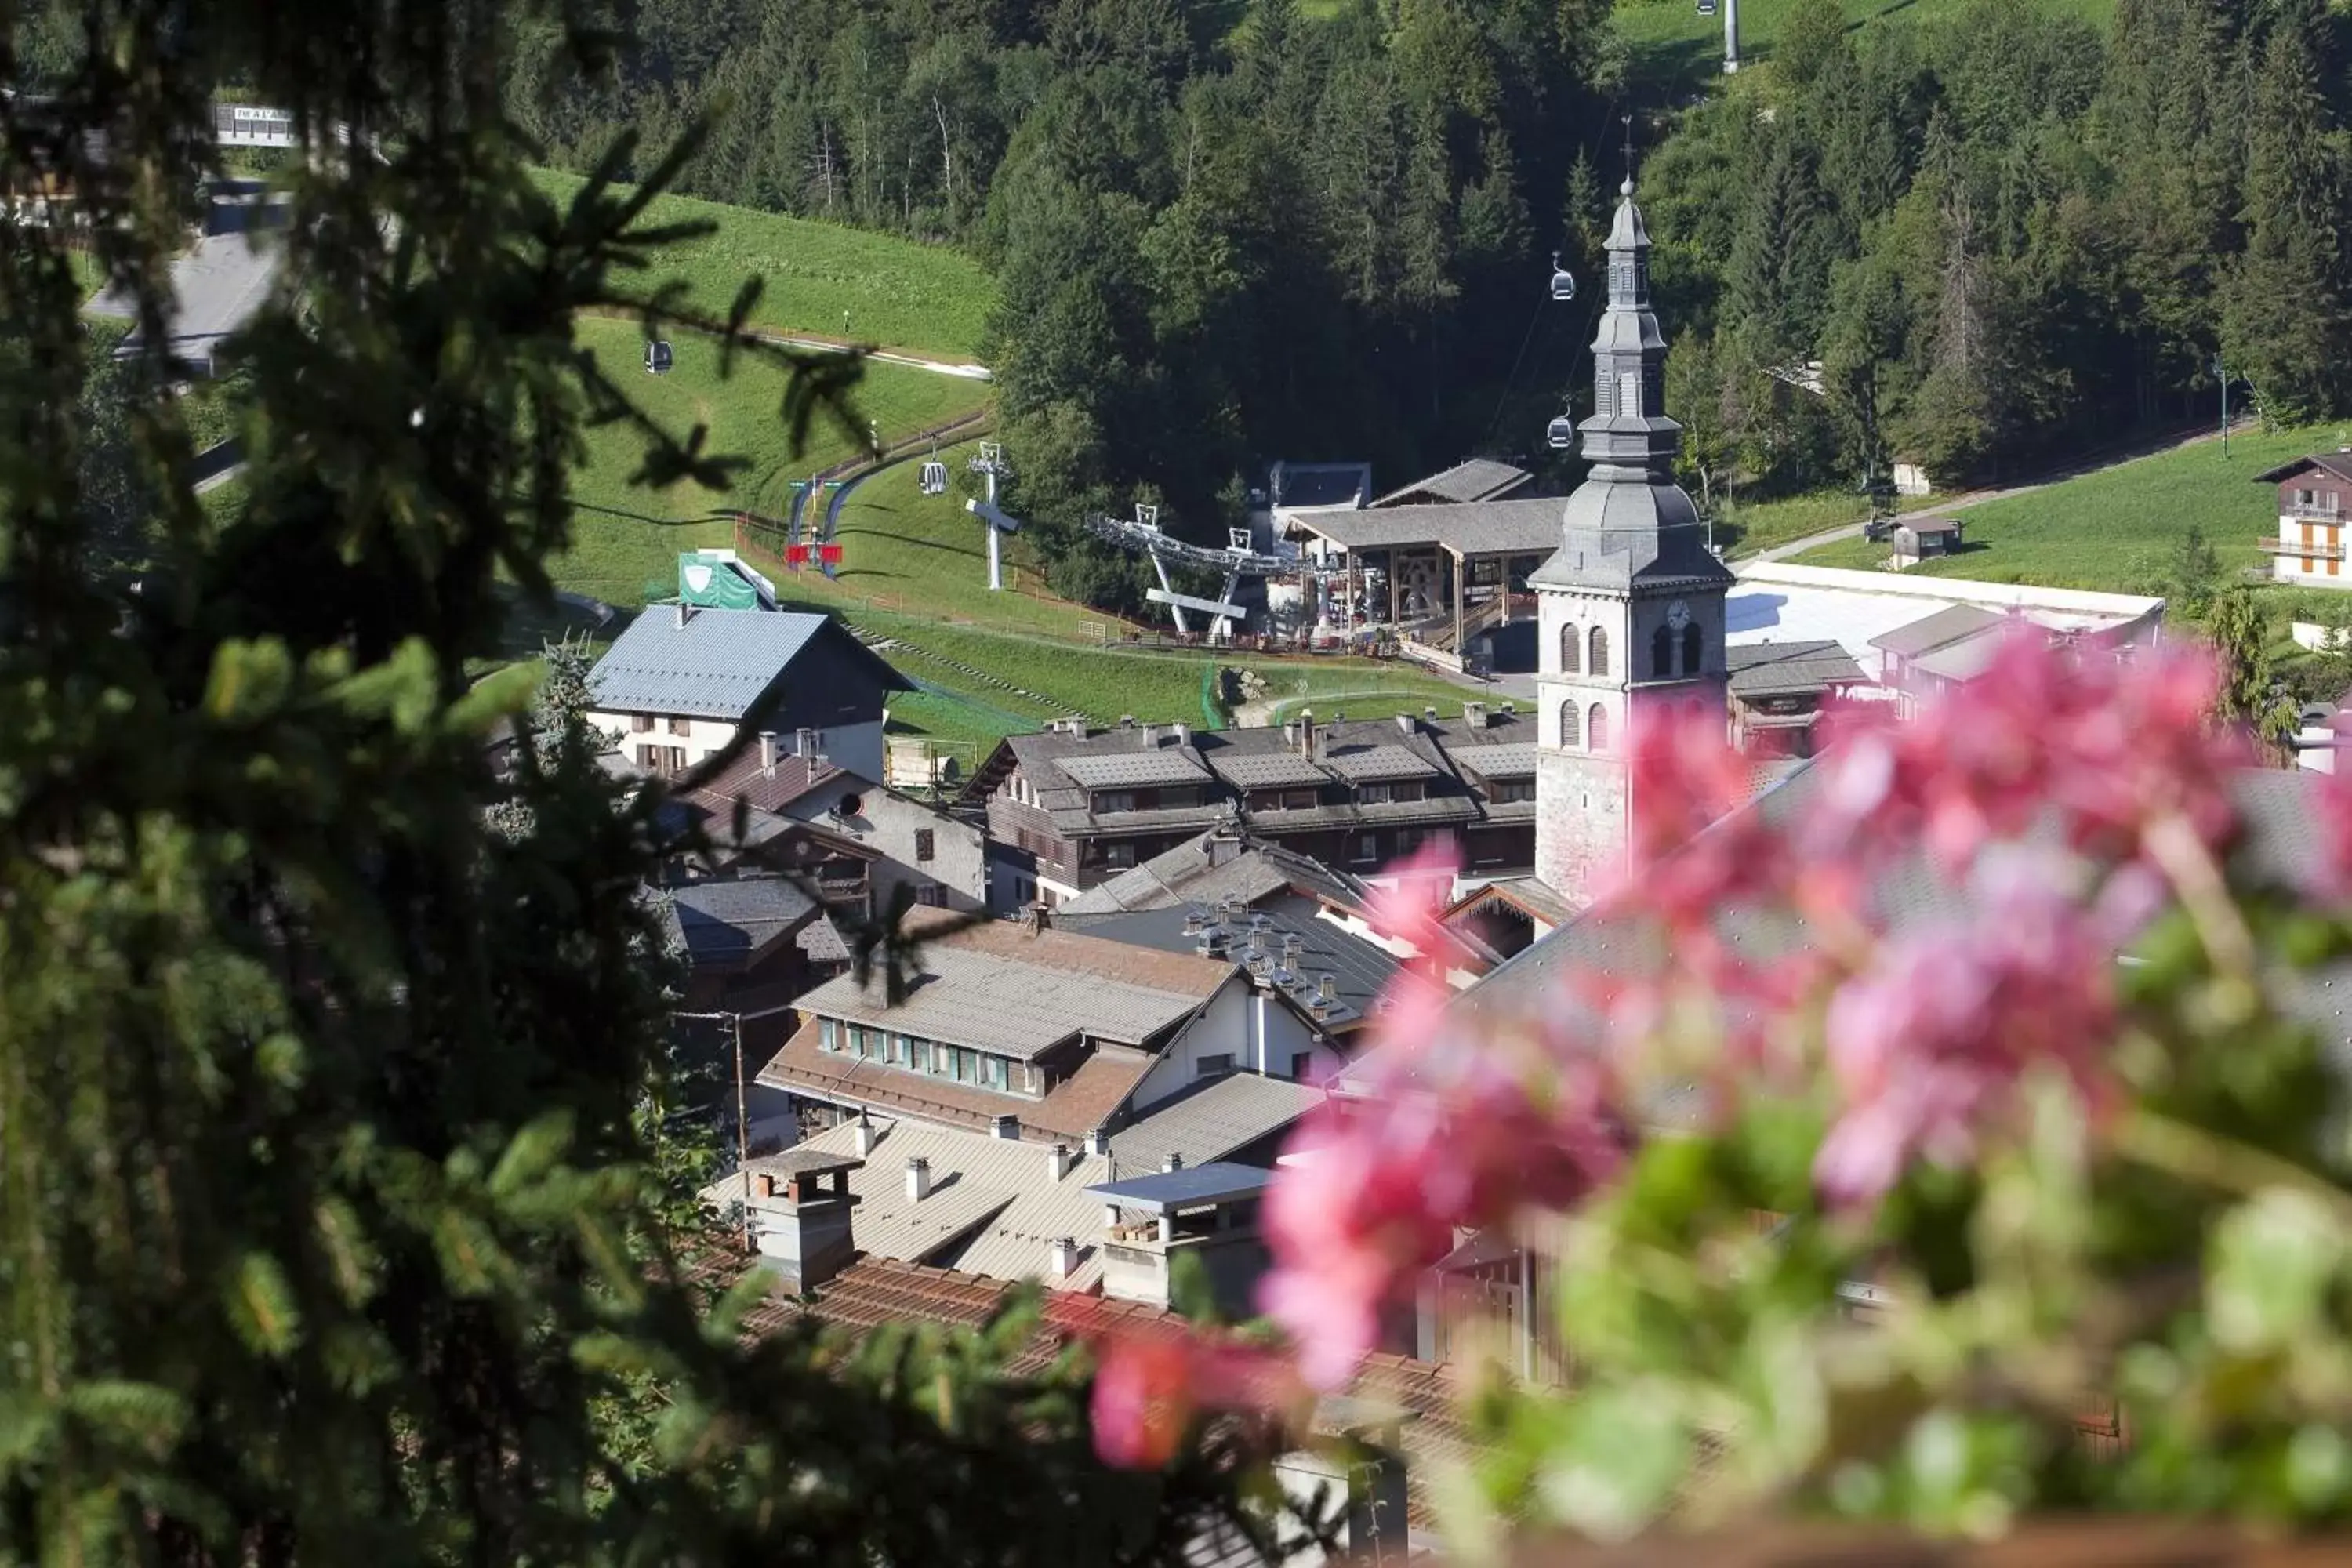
(1569,662)
(1598,664)
(681,726)
(1629,394)
(642,723)
(1569,727)
(1596,728)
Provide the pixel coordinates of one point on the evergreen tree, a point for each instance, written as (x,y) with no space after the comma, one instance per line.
(327,1221)
(2251,693)
(2196,570)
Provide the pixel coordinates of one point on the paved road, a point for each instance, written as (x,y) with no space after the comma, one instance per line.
(886,357)
(1961,502)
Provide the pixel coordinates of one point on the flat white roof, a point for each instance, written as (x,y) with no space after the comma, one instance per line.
(1774,602)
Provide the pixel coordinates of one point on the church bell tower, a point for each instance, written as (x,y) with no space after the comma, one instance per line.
(1631,608)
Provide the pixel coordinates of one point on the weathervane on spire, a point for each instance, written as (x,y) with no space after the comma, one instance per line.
(1628,186)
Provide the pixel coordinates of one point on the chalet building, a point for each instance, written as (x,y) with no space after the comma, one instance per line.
(1086,805)
(1941,652)
(796,798)
(681,680)
(1778,689)
(1225,865)
(2314,495)
(752,944)
(1926,539)
(1049,1036)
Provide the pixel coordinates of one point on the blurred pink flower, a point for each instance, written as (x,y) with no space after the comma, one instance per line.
(2104,744)
(1408,909)
(1382,1184)
(1149,1384)
(1927,1044)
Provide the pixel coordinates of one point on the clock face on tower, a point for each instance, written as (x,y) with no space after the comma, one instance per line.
(1678,615)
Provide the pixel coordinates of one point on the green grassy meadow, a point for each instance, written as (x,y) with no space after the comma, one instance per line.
(1668,42)
(625,535)
(2115,529)
(1744,529)
(896,293)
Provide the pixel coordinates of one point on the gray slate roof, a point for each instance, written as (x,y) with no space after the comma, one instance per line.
(1125,769)
(1366,764)
(1516,760)
(1210,1121)
(2339,464)
(1516,527)
(1768,668)
(714,666)
(1262,769)
(1206,871)
(1361,970)
(1479,478)
(1949,625)
(1319,484)
(727,921)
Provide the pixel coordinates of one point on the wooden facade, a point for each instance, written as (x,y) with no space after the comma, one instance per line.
(2315,502)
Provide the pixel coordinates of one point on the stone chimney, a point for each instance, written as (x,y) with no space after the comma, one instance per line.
(1174,1163)
(804,1221)
(1293,944)
(1008,1127)
(1405,723)
(1058,1161)
(1152,736)
(1474,714)
(768,739)
(1307,734)
(1126,720)
(1182,734)
(1098,1140)
(1062,1258)
(1429,712)
(919,1179)
(866,1135)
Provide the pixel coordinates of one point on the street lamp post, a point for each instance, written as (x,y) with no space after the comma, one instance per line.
(2222,376)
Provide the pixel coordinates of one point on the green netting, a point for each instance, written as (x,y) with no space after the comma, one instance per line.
(713,584)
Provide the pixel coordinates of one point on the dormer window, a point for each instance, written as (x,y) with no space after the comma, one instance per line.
(1114,800)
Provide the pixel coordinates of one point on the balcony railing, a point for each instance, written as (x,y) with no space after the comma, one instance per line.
(2312,511)
(2299,550)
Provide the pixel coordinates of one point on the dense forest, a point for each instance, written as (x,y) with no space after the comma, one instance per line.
(1229,235)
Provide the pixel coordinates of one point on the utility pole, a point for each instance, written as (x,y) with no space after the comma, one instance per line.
(742,1113)
(1730,37)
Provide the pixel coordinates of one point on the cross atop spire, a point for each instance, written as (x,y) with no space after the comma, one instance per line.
(1627,188)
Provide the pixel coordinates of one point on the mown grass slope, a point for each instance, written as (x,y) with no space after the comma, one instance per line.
(895,292)
(2117,528)
(625,536)
(1670,45)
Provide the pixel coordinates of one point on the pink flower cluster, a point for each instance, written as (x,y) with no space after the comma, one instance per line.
(1926,1045)
(2056,803)
(1375,1187)
(1149,1387)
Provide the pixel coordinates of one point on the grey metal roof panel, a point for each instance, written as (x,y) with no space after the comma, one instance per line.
(1361,969)
(714,665)
(1370,763)
(1258,770)
(1476,479)
(1210,1121)
(1173,765)
(1949,625)
(1518,526)
(1218,1182)
(991,1000)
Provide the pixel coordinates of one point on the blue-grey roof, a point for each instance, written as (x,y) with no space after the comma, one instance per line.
(713,665)
(1163,1190)
(731,920)
(1362,971)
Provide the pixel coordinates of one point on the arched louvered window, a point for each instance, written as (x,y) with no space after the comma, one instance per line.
(1598,663)
(1661,653)
(1568,725)
(1596,728)
(1694,648)
(1568,649)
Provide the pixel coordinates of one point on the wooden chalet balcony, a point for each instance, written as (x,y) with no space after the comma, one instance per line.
(2305,511)
(2299,550)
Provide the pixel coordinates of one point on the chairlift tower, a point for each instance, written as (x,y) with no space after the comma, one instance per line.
(990,464)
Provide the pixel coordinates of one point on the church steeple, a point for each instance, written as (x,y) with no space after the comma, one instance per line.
(1630,607)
